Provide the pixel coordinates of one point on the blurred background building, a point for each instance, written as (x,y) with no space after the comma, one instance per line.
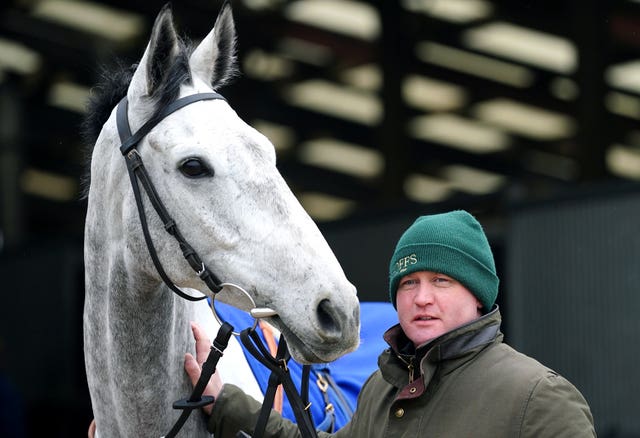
(523,112)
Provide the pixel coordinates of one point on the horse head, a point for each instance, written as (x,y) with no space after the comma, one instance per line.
(218,179)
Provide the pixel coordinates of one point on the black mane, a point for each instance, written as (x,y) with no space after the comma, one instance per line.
(113,86)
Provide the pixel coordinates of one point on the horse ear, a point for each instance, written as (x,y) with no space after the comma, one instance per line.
(158,56)
(214,60)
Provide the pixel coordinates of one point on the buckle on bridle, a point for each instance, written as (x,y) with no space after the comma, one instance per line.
(323,385)
(134,157)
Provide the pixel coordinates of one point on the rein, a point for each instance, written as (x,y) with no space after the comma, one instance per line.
(278,365)
(280,376)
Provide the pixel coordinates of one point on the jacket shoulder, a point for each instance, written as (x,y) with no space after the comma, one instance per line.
(507,358)
(549,405)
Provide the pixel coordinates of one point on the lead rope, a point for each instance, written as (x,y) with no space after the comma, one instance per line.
(279,375)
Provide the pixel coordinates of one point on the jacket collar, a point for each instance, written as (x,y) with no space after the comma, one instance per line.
(460,343)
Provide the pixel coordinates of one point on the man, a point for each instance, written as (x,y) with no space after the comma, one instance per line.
(447,372)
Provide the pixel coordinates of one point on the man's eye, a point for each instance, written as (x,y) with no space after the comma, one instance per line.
(195,168)
(409,282)
(442,281)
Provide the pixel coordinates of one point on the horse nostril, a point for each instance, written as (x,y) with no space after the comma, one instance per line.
(328,319)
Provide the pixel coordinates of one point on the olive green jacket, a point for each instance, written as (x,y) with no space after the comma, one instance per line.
(469,384)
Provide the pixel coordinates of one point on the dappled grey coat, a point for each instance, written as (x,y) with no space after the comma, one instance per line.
(469,384)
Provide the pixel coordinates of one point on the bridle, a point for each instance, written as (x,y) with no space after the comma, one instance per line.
(278,365)
(137,171)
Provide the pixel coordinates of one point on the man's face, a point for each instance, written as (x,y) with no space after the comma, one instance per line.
(430,304)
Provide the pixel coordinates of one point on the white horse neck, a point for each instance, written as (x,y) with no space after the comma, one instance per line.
(136,364)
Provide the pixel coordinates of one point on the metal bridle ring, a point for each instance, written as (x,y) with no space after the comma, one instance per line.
(255,312)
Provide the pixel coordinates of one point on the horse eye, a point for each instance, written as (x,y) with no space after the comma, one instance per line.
(194,168)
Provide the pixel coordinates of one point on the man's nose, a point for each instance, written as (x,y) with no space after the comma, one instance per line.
(424,295)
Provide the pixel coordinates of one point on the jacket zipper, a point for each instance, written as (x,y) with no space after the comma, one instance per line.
(410,366)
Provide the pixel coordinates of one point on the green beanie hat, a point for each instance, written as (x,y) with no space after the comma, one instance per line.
(453,244)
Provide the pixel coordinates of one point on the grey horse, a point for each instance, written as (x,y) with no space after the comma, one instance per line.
(218,179)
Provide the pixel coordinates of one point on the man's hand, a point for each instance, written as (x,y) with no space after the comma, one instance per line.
(193,366)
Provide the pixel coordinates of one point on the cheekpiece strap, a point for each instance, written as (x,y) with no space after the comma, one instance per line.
(137,171)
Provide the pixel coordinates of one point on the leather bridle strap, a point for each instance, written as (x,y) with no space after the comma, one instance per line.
(137,172)
(197,400)
(130,141)
(279,375)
